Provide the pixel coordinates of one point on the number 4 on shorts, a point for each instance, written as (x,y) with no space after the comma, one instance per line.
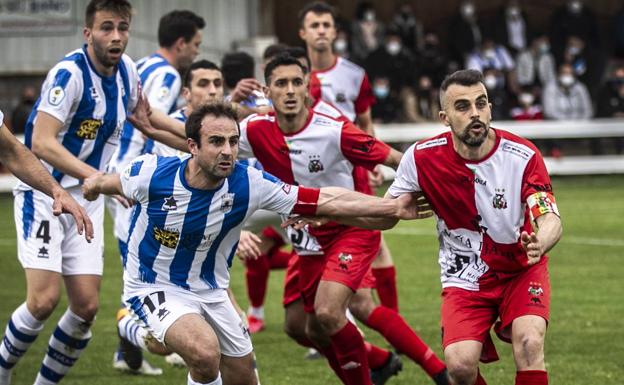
(44,231)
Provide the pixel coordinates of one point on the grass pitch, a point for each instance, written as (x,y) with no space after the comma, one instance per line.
(584,345)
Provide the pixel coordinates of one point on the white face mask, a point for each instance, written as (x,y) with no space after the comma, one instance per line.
(574,50)
(393,47)
(490,82)
(468,10)
(544,48)
(575,6)
(381,92)
(340,45)
(527,98)
(513,11)
(489,53)
(566,80)
(369,16)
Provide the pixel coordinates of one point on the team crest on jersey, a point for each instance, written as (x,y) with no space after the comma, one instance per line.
(227,202)
(56,95)
(535,293)
(170,204)
(167,238)
(315,164)
(344,260)
(286,188)
(341,97)
(499,201)
(94,93)
(88,129)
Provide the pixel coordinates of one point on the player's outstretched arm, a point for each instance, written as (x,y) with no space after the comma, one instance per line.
(394,159)
(25,165)
(100,183)
(548,230)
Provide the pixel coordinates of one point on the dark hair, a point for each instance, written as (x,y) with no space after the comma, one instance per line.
(236,66)
(217,109)
(118,7)
(273,50)
(463,78)
(203,64)
(178,24)
(298,53)
(280,60)
(318,7)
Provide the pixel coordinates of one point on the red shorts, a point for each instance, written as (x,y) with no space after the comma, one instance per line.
(469,315)
(347,260)
(291,281)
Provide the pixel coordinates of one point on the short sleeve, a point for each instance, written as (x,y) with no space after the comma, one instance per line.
(135,178)
(535,178)
(365,98)
(315,87)
(60,93)
(245,150)
(164,91)
(362,149)
(273,194)
(406,180)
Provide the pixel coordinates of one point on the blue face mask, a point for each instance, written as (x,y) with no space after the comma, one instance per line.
(381,92)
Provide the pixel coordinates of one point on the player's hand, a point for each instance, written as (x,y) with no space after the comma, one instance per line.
(140,116)
(300,222)
(413,206)
(375,177)
(91,187)
(64,203)
(248,246)
(532,246)
(125,202)
(244,88)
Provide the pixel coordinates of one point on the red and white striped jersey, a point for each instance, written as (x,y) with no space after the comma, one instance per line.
(481,207)
(323,153)
(344,85)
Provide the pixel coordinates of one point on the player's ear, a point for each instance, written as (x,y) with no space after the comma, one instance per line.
(186,94)
(86,32)
(302,33)
(192,146)
(444,118)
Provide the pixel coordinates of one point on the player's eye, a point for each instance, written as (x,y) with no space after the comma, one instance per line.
(298,82)
(481,104)
(234,141)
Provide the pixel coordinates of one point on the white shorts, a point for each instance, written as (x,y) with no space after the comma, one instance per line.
(159,307)
(47,242)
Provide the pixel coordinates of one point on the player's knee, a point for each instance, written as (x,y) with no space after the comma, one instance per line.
(87,310)
(461,372)
(529,350)
(42,306)
(329,318)
(204,363)
(295,330)
(361,306)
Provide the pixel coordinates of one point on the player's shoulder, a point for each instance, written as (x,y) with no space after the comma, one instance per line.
(326,108)
(515,145)
(73,62)
(319,120)
(435,143)
(256,120)
(350,66)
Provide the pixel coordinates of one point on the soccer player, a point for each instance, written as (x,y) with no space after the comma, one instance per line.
(184,232)
(345,85)
(74,128)
(497,217)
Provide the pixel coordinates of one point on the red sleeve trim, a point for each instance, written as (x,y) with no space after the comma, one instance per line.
(365,98)
(307,201)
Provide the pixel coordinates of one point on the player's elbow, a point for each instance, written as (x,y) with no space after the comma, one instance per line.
(39,147)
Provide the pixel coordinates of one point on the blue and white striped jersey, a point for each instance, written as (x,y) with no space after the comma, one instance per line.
(185,237)
(161,85)
(92,108)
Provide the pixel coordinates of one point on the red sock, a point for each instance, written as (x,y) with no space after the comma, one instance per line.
(330,355)
(480,380)
(269,232)
(532,377)
(393,327)
(351,354)
(377,356)
(278,259)
(386,287)
(257,277)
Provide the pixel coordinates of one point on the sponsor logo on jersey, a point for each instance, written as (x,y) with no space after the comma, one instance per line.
(56,95)
(519,150)
(499,201)
(88,129)
(431,143)
(170,204)
(227,202)
(344,260)
(43,253)
(167,238)
(315,164)
(535,293)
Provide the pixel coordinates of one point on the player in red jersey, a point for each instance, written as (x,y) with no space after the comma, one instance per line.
(497,217)
(345,85)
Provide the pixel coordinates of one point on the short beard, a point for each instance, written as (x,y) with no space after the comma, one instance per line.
(474,141)
(100,55)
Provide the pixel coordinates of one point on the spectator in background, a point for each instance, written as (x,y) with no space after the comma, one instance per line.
(366,33)
(409,27)
(611,101)
(465,32)
(20,114)
(586,62)
(490,55)
(511,28)
(432,61)
(566,98)
(536,65)
(393,61)
(494,80)
(426,103)
(387,106)
(618,34)
(527,108)
(341,44)
(573,19)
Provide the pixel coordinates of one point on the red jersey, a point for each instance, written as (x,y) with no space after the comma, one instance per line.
(481,207)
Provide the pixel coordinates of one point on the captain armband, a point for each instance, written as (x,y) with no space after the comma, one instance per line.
(541,203)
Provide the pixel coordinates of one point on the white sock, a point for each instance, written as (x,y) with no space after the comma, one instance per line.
(132,331)
(21,331)
(257,312)
(215,382)
(70,338)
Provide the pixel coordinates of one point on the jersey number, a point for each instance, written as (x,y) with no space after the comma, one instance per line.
(44,231)
(160,297)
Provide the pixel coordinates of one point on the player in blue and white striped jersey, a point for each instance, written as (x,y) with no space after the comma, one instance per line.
(74,128)
(184,232)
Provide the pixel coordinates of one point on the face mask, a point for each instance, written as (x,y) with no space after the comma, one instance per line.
(526,98)
(340,45)
(575,6)
(544,48)
(566,80)
(574,50)
(513,11)
(369,16)
(489,53)
(381,92)
(467,10)
(393,47)
(490,81)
